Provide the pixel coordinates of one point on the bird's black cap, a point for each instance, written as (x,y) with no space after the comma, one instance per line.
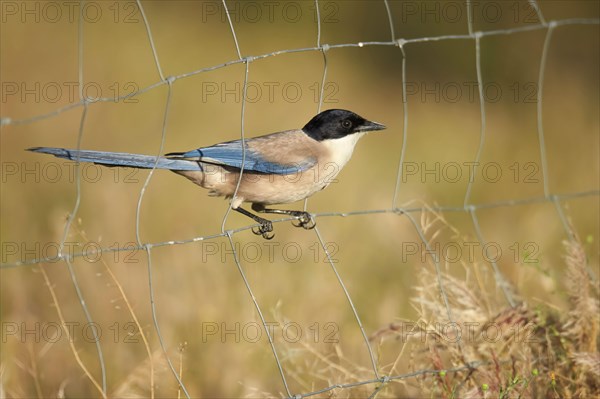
(338,123)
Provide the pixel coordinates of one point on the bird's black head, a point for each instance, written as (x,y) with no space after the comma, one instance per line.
(338,123)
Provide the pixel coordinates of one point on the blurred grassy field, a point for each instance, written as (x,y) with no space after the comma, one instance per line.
(206,316)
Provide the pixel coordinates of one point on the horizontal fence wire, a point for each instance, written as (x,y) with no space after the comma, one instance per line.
(555,198)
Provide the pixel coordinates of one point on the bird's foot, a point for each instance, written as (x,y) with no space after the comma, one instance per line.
(305,220)
(265,230)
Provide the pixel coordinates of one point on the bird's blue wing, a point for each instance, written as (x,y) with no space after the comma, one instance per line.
(231,154)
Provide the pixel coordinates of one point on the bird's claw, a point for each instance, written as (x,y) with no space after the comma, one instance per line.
(268,236)
(265,230)
(305,221)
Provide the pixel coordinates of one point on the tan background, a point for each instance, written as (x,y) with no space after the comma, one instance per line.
(196,289)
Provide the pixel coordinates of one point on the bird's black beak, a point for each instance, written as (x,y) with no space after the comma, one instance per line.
(369,126)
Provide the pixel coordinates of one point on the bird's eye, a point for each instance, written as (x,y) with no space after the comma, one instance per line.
(346,124)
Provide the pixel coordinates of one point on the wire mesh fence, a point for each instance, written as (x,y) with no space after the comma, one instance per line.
(372,376)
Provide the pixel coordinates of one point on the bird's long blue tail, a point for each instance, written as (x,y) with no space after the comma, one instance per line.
(120,159)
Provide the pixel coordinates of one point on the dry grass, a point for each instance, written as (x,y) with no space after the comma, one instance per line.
(526,351)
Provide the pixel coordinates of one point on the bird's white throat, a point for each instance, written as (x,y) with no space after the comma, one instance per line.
(341,149)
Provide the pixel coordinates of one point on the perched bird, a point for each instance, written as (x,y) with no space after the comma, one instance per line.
(276,168)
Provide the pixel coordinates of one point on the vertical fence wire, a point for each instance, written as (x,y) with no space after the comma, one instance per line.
(75,209)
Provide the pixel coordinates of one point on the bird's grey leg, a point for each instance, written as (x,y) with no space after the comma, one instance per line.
(305,220)
(266,227)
